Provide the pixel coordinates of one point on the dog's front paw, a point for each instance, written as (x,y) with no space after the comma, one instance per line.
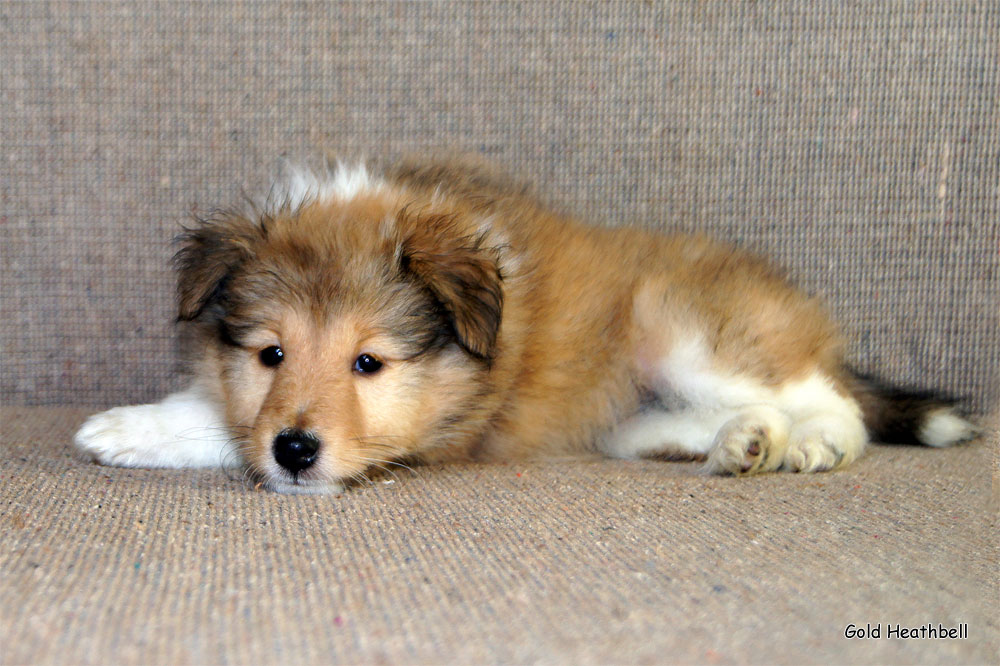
(118,436)
(182,431)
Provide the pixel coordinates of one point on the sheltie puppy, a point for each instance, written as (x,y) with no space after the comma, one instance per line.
(438,312)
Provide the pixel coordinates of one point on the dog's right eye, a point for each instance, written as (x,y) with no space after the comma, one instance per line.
(271,356)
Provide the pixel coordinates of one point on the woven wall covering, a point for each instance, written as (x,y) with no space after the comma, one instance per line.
(857,143)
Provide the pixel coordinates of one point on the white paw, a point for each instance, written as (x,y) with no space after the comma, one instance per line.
(749,444)
(812,455)
(113,437)
(167,434)
(823,445)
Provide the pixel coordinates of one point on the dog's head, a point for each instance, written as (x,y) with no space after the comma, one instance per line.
(346,332)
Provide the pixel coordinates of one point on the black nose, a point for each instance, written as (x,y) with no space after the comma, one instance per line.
(295,450)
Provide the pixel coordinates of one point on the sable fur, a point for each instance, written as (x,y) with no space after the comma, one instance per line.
(508,330)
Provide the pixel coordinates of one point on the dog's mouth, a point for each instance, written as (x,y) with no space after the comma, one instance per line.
(290,484)
(303,486)
(291,464)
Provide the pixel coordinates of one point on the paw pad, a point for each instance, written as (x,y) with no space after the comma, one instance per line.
(741,449)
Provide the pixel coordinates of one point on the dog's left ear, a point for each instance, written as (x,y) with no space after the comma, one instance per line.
(462,274)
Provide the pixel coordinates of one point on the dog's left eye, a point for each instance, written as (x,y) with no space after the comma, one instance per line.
(367,364)
(271,356)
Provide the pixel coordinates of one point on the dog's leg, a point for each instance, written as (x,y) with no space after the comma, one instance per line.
(827,428)
(738,441)
(685,433)
(743,425)
(186,429)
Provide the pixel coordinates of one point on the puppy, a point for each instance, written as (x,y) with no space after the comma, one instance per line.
(438,312)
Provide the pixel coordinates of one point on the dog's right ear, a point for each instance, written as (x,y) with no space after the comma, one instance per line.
(208,255)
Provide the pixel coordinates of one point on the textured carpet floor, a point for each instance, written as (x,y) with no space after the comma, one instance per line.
(585,562)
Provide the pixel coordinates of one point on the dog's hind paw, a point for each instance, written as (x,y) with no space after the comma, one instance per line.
(823,444)
(751,443)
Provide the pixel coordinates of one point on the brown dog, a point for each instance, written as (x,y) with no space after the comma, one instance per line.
(437,312)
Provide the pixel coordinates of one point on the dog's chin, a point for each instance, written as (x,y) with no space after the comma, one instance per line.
(304,486)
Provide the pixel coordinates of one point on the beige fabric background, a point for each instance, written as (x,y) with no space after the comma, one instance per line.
(856,143)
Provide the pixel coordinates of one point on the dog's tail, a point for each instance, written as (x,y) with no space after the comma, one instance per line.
(903,416)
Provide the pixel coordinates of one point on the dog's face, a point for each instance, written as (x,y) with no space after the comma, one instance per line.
(344,335)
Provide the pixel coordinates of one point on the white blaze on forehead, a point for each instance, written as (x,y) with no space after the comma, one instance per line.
(301,185)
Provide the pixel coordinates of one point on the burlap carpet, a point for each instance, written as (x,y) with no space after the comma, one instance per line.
(570,563)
